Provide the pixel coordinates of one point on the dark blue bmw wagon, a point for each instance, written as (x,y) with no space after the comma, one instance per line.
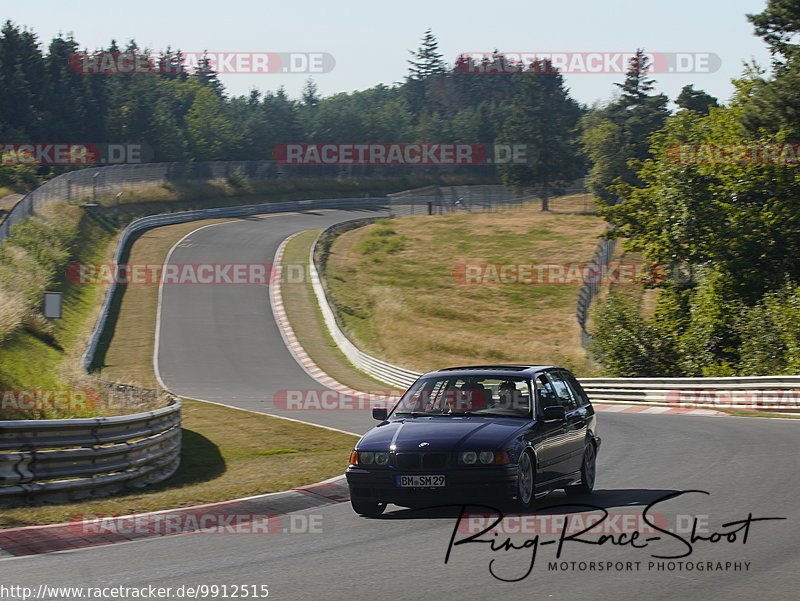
(501,433)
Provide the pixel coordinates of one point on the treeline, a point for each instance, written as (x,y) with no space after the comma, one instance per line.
(184,114)
(717,203)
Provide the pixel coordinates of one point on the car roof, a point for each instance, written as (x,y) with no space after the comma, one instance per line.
(490,370)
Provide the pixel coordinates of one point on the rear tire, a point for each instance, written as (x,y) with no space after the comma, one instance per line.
(588,473)
(370,509)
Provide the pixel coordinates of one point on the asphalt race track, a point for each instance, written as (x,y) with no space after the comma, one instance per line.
(220,343)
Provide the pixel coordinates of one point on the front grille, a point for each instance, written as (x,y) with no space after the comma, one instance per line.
(431,461)
(416,461)
(408,461)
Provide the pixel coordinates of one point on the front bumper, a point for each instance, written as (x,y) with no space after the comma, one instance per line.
(462,485)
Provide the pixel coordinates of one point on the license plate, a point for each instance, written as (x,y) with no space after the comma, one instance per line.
(420,481)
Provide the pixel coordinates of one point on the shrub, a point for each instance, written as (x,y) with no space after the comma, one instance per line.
(630,346)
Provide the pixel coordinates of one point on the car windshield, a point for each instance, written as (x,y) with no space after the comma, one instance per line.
(507,396)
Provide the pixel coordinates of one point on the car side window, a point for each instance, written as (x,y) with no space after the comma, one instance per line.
(577,391)
(563,391)
(547,394)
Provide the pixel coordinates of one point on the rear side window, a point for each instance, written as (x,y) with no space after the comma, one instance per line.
(564,393)
(577,391)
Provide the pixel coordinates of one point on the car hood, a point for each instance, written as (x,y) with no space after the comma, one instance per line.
(442,433)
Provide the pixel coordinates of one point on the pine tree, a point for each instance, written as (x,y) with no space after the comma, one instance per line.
(545,119)
(310,94)
(695,100)
(427,61)
(636,86)
(205,75)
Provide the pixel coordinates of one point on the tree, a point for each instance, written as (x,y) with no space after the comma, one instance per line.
(21,83)
(778,25)
(695,100)
(211,134)
(616,136)
(427,62)
(310,94)
(774,104)
(636,86)
(205,75)
(545,119)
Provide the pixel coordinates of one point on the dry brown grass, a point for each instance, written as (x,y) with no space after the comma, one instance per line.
(407,308)
(308,325)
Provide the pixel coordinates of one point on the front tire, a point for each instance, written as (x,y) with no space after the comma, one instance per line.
(526,484)
(370,509)
(588,473)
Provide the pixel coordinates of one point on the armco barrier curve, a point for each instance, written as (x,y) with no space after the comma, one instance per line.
(59,460)
(754,392)
(88,359)
(380,370)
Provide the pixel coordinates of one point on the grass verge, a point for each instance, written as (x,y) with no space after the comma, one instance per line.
(227,454)
(397,290)
(46,356)
(307,322)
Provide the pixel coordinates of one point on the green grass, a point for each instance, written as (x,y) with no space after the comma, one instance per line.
(29,359)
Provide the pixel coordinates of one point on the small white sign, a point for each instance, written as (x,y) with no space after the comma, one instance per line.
(52,305)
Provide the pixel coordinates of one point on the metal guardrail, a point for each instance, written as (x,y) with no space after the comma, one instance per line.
(763,393)
(62,460)
(88,358)
(760,392)
(588,290)
(378,369)
(94,182)
(449,199)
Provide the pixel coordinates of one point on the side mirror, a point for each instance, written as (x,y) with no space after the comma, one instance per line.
(380,413)
(554,413)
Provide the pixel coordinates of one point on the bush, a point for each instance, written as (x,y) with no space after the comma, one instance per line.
(382,238)
(630,346)
(238,179)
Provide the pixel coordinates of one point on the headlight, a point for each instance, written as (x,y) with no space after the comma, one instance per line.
(484,458)
(382,458)
(366,458)
(469,457)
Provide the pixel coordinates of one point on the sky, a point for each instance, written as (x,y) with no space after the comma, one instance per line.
(370,41)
